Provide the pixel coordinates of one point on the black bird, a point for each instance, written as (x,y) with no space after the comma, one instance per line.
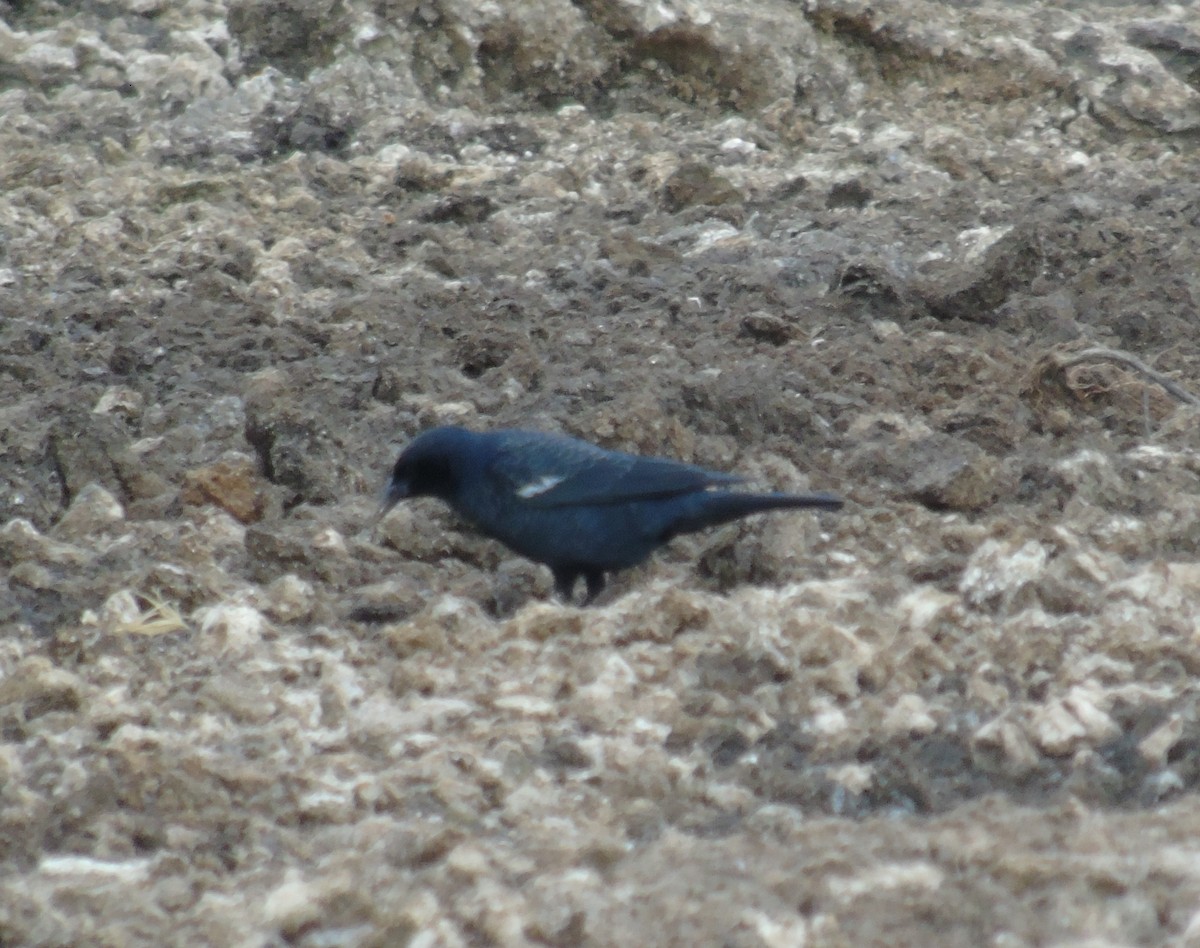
(579,509)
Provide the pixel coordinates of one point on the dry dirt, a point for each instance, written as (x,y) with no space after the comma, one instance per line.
(941,257)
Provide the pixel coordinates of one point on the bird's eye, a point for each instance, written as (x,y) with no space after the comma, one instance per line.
(426,477)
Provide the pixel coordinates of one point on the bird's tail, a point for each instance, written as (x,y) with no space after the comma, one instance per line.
(717,507)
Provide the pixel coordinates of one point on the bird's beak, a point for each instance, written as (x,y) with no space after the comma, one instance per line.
(393,492)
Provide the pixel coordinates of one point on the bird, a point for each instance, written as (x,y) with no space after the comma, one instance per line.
(582,510)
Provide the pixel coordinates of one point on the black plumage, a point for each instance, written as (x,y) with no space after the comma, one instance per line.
(577,508)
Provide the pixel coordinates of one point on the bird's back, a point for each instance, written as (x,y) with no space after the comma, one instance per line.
(559,500)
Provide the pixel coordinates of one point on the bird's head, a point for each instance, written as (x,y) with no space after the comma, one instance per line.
(428,467)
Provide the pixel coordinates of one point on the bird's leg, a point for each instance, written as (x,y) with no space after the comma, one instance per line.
(564,583)
(595,584)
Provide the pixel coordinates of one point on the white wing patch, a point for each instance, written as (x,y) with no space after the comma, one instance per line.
(540,486)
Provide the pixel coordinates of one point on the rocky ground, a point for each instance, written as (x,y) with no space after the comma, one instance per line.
(941,257)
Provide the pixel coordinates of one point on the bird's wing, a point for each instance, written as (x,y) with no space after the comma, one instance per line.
(550,471)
